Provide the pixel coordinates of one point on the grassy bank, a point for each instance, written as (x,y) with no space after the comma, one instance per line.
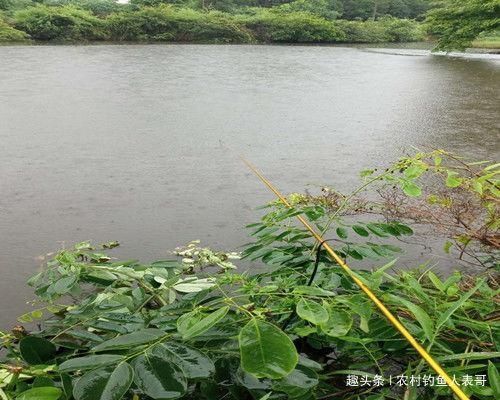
(167,23)
(487,42)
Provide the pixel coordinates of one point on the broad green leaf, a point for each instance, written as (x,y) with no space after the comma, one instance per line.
(41,393)
(452,180)
(312,291)
(494,379)
(191,325)
(360,230)
(299,382)
(312,311)
(414,171)
(192,285)
(412,189)
(339,323)
(403,229)
(193,363)
(36,350)
(63,285)
(266,351)
(106,383)
(89,362)
(375,229)
(130,340)
(342,232)
(157,376)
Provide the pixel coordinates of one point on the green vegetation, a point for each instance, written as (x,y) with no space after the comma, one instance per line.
(454,23)
(301,21)
(458,22)
(297,327)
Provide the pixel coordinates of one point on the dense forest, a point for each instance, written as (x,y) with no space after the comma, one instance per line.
(454,23)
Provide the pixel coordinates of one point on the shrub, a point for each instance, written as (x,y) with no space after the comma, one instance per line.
(293,27)
(10,34)
(60,23)
(383,30)
(166,23)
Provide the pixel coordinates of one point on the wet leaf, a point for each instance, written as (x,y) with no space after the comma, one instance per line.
(191,325)
(89,362)
(157,376)
(193,363)
(339,323)
(106,383)
(266,351)
(41,393)
(140,337)
(312,311)
(36,350)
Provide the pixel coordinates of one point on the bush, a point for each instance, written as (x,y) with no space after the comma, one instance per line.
(166,23)
(383,30)
(60,23)
(10,34)
(294,27)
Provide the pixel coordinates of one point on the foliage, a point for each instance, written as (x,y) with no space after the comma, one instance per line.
(192,327)
(384,30)
(457,23)
(372,9)
(10,34)
(167,23)
(97,7)
(59,23)
(294,27)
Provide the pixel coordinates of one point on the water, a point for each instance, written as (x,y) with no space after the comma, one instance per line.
(128,143)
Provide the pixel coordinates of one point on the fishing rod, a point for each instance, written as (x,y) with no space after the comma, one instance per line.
(388,314)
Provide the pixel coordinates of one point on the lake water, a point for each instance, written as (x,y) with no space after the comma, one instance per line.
(128,142)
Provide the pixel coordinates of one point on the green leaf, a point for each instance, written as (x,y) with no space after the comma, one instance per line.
(193,363)
(36,350)
(312,291)
(299,382)
(130,340)
(63,285)
(89,362)
(342,232)
(266,351)
(420,315)
(339,323)
(494,379)
(411,189)
(375,229)
(452,181)
(455,306)
(157,376)
(360,230)
(106,383)
(190,325)
(436,281)
(41,393)
(312,311)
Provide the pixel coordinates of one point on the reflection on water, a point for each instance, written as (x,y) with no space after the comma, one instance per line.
(127,142)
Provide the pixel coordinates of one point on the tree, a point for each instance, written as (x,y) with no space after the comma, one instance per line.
(457,23)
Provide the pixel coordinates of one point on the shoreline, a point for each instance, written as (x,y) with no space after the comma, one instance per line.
(418,45)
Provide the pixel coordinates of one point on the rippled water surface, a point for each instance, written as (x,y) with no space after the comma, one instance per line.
(128,143)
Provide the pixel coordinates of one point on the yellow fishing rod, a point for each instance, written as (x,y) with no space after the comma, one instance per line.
(390,316)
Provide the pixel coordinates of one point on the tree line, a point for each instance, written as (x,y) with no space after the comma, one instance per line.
(455,23)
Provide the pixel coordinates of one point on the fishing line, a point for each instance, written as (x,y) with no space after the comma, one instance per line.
(388,314)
